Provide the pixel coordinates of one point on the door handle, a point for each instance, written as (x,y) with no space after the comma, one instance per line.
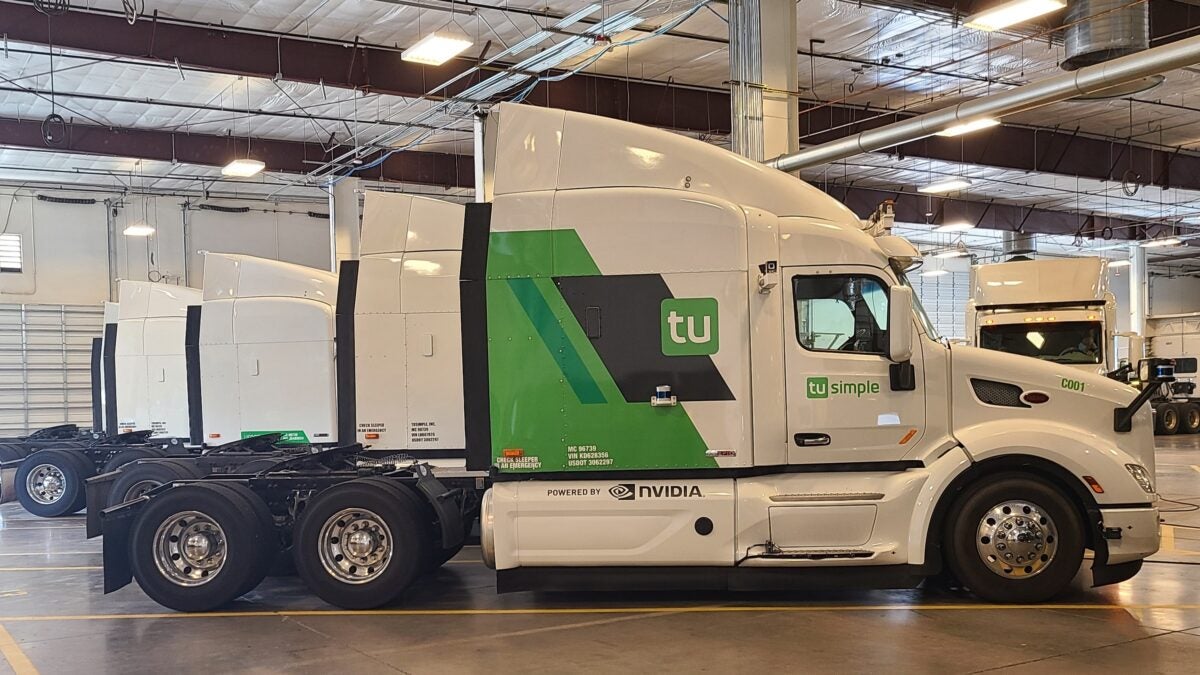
(810,440)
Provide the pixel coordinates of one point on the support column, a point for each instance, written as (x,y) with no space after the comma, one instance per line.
(763,82)
(344,222)
(1139,290)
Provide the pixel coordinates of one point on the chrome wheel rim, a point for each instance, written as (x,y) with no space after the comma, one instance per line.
(190,548)
(1016,539)
(355,546)
(140,488)
(46,484)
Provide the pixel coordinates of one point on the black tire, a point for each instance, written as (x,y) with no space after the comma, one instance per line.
(243,548)
(73,468)
(126,456)
(437,556)
(9,453)
(269,544)
(1189,418)
(1027,583)
(257,465)
(1166,419)
(409,543)
(137,479)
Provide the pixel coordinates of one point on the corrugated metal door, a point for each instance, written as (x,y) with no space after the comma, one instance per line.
(45,365)
(945,299)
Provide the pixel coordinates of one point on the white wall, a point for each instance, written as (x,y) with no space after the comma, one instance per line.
(1176,295)
(66,245)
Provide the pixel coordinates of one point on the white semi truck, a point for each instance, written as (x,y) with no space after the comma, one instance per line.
(1057,310)
(679,368)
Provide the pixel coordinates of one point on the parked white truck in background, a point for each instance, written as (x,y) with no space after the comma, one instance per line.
(680,369)
(1058,310)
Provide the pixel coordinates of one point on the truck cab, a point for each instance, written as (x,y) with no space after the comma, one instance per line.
(1058,310)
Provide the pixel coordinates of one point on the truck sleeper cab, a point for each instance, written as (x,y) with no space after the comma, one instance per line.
(680,366)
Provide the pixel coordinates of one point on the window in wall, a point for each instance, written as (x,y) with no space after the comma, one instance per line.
(10,253)
(843,313)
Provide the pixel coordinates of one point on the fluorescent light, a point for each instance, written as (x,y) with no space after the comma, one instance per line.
(940,187)
(1013,12)
(962,226)
(435,49)
(1118,263)
(934,273)
(1160,243)
(138,230)
(243,168)
(968,127)
(951,253)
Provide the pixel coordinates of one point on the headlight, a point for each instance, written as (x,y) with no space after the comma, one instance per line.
(1142,476)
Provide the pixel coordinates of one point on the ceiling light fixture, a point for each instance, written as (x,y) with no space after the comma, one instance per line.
(968,127)
(138,230)
(1161,243)
(1012,12)
(435,49)
(934,273)
(944,186)
(951,253)
(960,226)
(243,168)
(1118,263)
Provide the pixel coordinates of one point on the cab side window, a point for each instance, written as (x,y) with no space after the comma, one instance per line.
(841,313)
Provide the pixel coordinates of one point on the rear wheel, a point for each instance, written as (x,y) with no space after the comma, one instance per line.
(1189,418)
(198,547)
(138,479)
(50,483)
(1014,539)
(1166,419)
(357,546)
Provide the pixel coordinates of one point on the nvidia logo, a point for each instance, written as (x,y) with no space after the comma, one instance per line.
(689,327)
(622,491)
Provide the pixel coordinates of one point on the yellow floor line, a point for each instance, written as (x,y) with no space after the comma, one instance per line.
(1166,540)
(703,609)
(1196,467)
(16,658)
(49,569)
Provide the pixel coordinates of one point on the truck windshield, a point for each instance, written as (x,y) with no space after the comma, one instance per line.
(1071,342)
(922,317)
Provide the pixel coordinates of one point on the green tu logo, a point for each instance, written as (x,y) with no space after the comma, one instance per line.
(689,327)
(818,387)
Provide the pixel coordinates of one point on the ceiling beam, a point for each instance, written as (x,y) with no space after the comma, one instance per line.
(1029,149)
(912,207)
(421,168)
(367,68)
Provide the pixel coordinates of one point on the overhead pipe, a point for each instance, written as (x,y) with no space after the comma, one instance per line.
(1081,82)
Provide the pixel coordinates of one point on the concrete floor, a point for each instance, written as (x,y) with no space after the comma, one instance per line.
(54,619)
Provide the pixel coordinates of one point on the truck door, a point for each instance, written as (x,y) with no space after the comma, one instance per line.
(842,405)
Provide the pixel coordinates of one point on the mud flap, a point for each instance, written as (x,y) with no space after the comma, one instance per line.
(117,523)
(1104,574)
(98,489)
(446,505)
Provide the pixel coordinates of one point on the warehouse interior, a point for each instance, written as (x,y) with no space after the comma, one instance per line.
(187,167)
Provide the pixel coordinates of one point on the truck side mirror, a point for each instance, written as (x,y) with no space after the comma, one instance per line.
(900,312)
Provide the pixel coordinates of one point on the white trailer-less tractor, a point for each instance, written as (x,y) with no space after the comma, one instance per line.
(684,369)
(1055,310)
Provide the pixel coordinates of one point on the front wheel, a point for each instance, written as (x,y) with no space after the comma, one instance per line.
(1014,539)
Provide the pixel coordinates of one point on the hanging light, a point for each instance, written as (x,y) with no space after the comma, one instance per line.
(968,127)
(958,226)
(1012,12)
(435,49)
(138,229)
(934,273)
(1118,263)
(1161,243)
(944,186)
(243,168)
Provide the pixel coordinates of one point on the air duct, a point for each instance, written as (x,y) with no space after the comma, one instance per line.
(1089,80)
(1018,244)
(1102,30)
